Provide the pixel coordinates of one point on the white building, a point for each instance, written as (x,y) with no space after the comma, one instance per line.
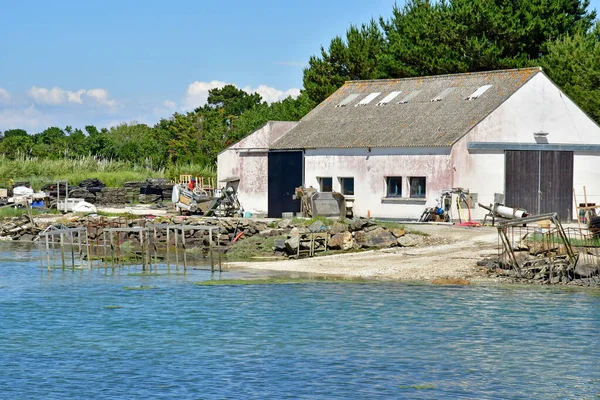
(392,146)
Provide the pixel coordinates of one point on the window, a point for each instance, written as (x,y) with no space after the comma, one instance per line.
(394,186)
(476,94)
(347,100)
(325,184)
(444,93)
(347,186)
(367,99)
(417,187)
(388,98)
(409,97)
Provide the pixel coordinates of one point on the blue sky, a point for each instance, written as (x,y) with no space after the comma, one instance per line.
(104,62)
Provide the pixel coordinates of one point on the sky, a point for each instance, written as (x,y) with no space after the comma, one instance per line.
(105,62)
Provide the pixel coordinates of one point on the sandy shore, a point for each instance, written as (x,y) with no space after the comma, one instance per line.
(449,252)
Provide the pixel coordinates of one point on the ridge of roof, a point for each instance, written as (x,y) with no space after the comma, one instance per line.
(442,76)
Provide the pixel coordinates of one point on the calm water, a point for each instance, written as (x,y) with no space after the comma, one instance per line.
(60,339)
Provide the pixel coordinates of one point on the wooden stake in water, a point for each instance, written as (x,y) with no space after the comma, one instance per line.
(168,251)
(48,252)
(176,250)
(184,249)
(62,250)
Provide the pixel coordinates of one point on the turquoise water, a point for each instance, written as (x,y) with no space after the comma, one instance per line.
(62,338)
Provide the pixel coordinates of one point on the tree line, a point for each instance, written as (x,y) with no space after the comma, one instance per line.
(194,137)
(454,36)
(421,38)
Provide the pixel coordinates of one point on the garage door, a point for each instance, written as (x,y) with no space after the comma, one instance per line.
(540,182)
(285,175)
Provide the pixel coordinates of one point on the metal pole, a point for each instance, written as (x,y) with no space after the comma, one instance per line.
(168,250)
(184,249)
(48,252)
(539,208)
(176,250)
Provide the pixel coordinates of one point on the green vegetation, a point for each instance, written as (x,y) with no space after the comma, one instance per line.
(253,247)
(8,212)
(307,222)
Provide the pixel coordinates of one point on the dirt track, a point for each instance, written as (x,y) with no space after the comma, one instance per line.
(449,252)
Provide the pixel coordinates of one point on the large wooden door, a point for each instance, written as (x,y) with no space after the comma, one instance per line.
(285,175)
(540,181)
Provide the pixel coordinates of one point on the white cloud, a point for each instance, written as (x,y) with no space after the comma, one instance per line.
(270,94)
(5,97)
(101,96)
(23,118)
(170,104)
(196,94)
(57,96)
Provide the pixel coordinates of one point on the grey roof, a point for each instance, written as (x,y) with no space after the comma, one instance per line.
(420,122)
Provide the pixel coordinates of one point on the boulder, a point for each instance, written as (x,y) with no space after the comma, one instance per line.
(284,223)
(279,245)
(291,245)
(410,240)
(398,232)
(341,241)
(317,226)
(338,227)
(375,238)
(359,224)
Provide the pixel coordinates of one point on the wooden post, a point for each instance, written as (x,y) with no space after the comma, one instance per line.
(48,251)
(87,248)
(175,231)
(184,249)
(210,244)
(62,250)
(79,250)
(168,250)
(72,251)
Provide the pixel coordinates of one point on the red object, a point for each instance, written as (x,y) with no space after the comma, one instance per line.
(239,235)
(191,185)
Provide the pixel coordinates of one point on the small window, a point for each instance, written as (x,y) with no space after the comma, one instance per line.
(368,99)
(347,100)
(388,98)
(409,97)
(394,186)
(325,184)
(444,93)
(417,187)
(476,94)
(347,186)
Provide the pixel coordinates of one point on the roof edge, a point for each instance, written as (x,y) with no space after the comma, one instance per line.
(497,71)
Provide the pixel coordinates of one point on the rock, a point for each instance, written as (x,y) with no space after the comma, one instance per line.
(284,223)
(295,232)
(359,224)
(398,232)
(375,238)
(338,227)
(291,244)
(585,270)
(317,226)
(410,240)
(370,228)
(341,241)
(279,245)
(27,237)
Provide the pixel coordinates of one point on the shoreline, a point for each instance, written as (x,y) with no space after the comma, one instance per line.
(450,252)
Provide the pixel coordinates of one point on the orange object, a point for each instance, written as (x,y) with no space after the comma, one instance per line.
(239,235)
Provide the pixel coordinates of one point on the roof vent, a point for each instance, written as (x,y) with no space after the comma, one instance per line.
(347,100)
(409,97)
(476,94)
(389,98)
(368,99)
(443,95)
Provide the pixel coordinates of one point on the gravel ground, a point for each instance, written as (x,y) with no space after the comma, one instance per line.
(449,252)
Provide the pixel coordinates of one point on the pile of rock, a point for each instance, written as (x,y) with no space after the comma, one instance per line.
(95,192)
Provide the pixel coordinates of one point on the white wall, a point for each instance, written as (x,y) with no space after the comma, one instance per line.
(538,106)
(247,159)
(369,170)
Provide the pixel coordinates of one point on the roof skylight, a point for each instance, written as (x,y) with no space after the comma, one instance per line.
(389,98)
(368,99)
(444,93)
(476,94)
(347,100)
(409,97)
